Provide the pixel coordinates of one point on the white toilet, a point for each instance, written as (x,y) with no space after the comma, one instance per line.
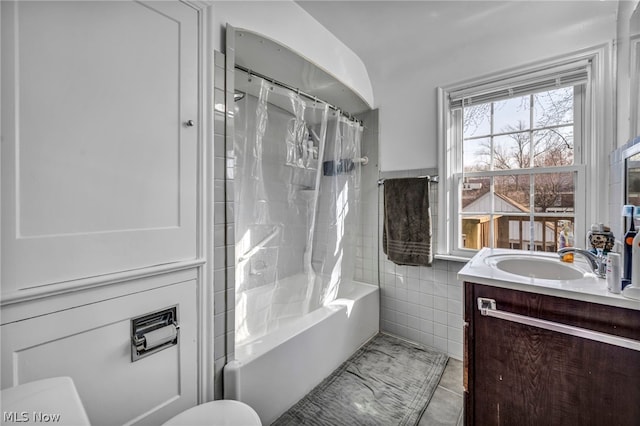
(224,412)
(59,395)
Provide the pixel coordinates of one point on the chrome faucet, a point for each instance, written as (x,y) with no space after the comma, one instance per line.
(598,262)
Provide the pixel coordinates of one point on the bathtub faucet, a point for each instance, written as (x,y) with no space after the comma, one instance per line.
(598,262)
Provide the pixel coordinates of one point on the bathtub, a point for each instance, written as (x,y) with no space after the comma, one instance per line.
(273,372)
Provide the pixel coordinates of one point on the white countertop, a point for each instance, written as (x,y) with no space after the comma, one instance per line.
(589,288)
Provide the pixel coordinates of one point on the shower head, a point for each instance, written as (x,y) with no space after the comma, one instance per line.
(238,95)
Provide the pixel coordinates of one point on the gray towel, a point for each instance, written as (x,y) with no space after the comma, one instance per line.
(406,236)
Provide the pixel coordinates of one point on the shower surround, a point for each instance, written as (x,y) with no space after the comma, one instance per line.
(296,196)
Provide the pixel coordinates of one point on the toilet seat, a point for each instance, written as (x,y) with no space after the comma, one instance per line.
(224,412)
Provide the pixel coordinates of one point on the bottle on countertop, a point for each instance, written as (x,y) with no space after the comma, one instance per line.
(614,283)
(566,240)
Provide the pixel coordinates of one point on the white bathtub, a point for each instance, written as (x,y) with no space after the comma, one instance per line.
(273,372)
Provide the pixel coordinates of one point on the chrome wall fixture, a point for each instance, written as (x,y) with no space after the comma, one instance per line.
(154,332)
(434,179)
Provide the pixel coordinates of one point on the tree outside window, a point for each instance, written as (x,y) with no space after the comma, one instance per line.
(531,135)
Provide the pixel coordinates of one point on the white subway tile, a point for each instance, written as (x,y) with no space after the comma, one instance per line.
(413,309)
(440,330)
(426,313)
(455,320)
(441,276)
(440,303)
(426,326)
(401,294)
(440,290)
(413,322)
(440,317)
(426,300)
(426,273)
(454,350)
(454,334)
(454,307)
(427,287)
(440,343)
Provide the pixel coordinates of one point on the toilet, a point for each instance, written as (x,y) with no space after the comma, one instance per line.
(59,395)
(224,412)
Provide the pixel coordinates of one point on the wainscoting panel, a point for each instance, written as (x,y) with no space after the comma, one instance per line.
(91,344)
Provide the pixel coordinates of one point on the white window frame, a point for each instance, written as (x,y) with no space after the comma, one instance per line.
(591,158)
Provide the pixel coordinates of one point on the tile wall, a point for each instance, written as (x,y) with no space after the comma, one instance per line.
(223,231)
(366,267)
(423,304)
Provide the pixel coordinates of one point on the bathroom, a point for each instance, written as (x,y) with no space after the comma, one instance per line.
(83,253)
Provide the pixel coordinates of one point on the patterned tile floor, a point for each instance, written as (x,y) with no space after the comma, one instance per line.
(445,407)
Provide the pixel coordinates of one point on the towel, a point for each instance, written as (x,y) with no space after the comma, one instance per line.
(406,235)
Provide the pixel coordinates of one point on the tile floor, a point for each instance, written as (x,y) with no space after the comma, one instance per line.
(445,407)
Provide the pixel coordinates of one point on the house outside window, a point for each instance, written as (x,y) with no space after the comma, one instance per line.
(519,152)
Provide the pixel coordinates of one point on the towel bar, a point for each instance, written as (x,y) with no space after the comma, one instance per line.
(429,179)
(487,307)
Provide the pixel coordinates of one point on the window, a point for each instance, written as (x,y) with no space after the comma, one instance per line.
(518,152)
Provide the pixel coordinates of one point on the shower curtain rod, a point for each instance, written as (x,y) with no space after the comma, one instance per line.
(434,179)
(298,91)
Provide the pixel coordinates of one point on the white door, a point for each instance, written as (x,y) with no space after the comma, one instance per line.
(98,163)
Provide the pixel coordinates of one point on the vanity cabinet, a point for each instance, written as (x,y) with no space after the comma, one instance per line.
(519,374)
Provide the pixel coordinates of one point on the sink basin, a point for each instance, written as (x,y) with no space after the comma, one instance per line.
(546,268)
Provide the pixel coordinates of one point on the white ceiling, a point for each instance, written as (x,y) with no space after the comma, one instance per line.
(390,36)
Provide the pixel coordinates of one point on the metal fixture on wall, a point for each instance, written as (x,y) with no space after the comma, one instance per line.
(154,332)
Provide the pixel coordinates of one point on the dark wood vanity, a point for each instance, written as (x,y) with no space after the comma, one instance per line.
(518,374)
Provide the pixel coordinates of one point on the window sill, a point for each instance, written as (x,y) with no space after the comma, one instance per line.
(451,258)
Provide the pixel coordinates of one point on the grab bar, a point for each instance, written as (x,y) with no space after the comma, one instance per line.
(246,256)
(487,307)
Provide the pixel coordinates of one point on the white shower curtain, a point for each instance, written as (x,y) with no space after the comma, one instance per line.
(296,197)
